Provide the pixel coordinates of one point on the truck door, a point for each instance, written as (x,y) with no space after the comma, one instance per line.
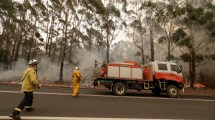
(175,72)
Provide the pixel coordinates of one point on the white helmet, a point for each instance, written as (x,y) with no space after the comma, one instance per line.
(76,68)
(33,61)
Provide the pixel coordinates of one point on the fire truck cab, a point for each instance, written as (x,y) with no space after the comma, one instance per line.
(159,77)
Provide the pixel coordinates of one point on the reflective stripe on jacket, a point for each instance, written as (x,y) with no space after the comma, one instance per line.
(29,80)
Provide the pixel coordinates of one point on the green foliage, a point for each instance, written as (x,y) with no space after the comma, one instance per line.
(193,15)
(115,11)
(138,54)
(98,5)
(211,29)
(207,20)
(95,33)
(37,35)
(212,57)
(171,57)
(199,58)
(181,38)
(162,39)
(125,4)
(7,6)
(41,39)
(185,57)
(136,24)
(210,26)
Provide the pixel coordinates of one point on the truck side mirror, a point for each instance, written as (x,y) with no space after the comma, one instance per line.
(180,66)
(179,69)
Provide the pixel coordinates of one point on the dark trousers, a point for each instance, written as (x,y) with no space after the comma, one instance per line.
(27,102)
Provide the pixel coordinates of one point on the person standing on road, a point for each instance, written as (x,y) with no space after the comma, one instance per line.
(29,84)
(76,81)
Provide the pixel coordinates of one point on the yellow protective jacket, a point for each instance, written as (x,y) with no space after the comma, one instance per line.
(76,75)
(29,80)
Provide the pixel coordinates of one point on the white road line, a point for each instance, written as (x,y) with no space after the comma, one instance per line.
(73,118)
(91,95)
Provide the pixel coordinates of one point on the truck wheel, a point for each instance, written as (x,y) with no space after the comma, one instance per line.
(172,91)
(156,91)
(119,89)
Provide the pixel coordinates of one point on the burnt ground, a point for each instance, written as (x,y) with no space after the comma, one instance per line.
(199,91)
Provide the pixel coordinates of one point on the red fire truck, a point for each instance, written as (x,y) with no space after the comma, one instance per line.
(159,77)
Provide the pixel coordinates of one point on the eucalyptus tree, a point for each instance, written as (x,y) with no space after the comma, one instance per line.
(22,9)
(137,22)
(197,35)
(167,18)
(70,29)
(142,20)
(31,43)
(7,11)
(25,40)
(7,29)
(63,10)
(90,11)
(22,31)
(110,22)
(150,8)
(46,21)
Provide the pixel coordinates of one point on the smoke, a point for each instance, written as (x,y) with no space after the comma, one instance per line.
(208,69)
(87,60)
(15,73)
(49,71)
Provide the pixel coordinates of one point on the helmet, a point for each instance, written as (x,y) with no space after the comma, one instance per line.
(76,68)
(33,62)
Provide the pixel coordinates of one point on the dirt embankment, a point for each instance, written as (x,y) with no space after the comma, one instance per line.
(199,91)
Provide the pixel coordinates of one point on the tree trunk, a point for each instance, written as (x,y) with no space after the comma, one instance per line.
(193,69)
(62,65)
(17,48)
(108,46)
(151,40)
(142,50)
(63,54)
(193,60)
(20,37)
(168,52)
(49,38)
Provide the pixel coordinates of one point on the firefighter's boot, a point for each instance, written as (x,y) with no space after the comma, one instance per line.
(15,115)
(29,109)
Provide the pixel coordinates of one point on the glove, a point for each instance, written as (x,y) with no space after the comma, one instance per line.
(39,86)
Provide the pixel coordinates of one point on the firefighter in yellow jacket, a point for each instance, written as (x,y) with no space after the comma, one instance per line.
(76,81)
(29,84)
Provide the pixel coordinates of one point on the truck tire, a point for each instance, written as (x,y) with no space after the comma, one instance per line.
(156,91)
(119,89)
(172,91)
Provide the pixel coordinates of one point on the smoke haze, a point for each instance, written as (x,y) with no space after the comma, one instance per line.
(15,73)
(49,71)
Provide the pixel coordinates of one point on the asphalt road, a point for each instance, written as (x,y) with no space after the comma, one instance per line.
(57,103)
